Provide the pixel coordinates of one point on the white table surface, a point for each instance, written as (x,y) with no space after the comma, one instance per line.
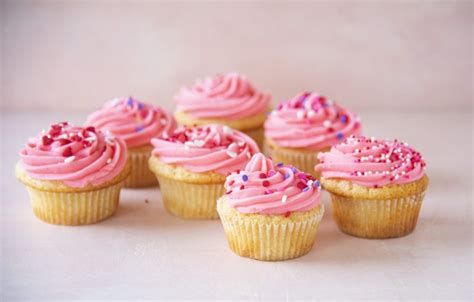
(143,252)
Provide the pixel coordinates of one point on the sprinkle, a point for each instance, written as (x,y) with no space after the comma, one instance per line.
(300,114)
(294,170)
(286,175)
(227,130)
(340,136)
(139,128)
(287,214)
(163,121)
(130,101)
(316,184)
(228,192)
(242,187)
(311,113)
(271,173)
(199,143)
(91,129)
(46,140)
(343,118)
(265,183)
(327,123)
(280,165)
(141,106)
(284,198)
(63,141)
(306,189)
(309,183)
(245,177)
(241,144)
(231,154)
(70,159)
(67,152)
(110,141)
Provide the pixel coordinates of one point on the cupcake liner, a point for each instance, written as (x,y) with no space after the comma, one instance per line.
(190,200)
(304,161)
(140,175)
(75,208)
(383,218)
(279,239)
(256,134)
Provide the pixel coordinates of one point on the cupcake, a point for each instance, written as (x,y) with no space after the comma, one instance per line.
(136,123)
(376,186)
(73,175)
(227,99)
(270,212)
(191,166)
(302,127)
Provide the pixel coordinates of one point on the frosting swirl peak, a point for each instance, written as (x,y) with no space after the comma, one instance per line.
(265,188)
(229,96)
(133,121)
(74,155)
(199,149)
(372,162)
(310,120)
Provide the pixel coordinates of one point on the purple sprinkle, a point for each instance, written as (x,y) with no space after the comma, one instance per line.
(294,170)
(280,165)
(141,106)
(286,175)
(316,184)
(130,101)
(305,189)
(271,173)
(343,118)
(340,135)
(138,129)
(245,177)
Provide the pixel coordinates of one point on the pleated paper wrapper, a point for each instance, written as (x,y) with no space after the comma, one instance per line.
(269,240)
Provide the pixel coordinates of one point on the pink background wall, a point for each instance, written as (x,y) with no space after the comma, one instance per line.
(402,55)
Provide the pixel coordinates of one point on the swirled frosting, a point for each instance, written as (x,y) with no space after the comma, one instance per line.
(215,148)
(229,96)
(133,121)
(310,120)
(265,188)
(372,162)
(74,155)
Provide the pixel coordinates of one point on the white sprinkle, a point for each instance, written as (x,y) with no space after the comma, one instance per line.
(232,146)
(372,139)
(199,143)
(300,114)
(90,138)
(396,177)
(63,136)
(284,198)
(164,135)
(311,113)
(309,183)
(227,130)
(231,154)
(241,144)
(327,123)
(109,160)
(403,172)
(70,159)
(308,105)
(189,144)
(163,121)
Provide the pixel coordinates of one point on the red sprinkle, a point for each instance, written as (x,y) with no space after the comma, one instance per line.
(265,183)
(242,187)
(228,192)
(287,214)
(67,152)
(262,175)
(231,182)
(64,141)
(46,140)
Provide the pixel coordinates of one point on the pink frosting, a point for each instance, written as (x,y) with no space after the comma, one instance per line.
(228,96)
(74,155)
(215,148)
(311,121)
(271,189)
(372,162)
(133,121)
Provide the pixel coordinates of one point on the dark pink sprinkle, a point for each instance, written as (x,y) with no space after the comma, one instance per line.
(46,140)
(265,183)
(67,152)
